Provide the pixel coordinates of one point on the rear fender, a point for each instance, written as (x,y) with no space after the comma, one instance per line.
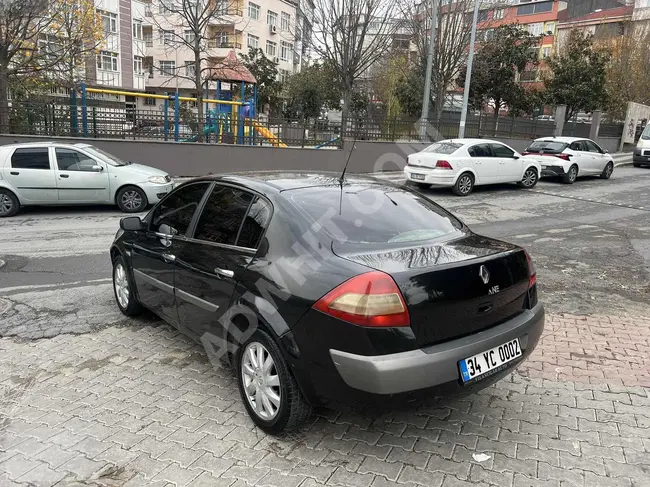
(470,170)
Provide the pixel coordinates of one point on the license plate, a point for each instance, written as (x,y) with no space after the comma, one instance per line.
(419,177)
(493,360)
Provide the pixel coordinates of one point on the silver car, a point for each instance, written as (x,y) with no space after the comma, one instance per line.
(49,173)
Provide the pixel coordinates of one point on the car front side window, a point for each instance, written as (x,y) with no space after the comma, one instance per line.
(72,160)
(174,214)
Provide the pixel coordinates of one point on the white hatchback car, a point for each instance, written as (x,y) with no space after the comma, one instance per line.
(464,163)
(570,157)
(49,173)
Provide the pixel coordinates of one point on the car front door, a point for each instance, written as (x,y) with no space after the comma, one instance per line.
(598,158)
(153,251)
(214,259)
(31,173)
(486,166)
(80,178)
(509,165)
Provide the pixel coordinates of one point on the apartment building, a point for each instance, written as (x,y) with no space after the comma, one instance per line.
(281,28)
(611,19)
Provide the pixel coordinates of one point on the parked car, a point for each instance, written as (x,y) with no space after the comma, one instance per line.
(464,163)
(545,118)
(641,155)
(47,173)
(570,158)
(395,295)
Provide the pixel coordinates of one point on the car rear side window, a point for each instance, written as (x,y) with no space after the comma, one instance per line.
(174,214)
(222,215)
(31,158)
(546,146)
(480,150)
(374,214)
(256,221)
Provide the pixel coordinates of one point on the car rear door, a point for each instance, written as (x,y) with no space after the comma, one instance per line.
(509,166)
(486,166)
(214,258)
(80,178)
(154,251)
(31,172)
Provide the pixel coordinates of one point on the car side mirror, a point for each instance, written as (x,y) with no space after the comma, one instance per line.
(605,151)
(131,223)
(97,168)
(515,156)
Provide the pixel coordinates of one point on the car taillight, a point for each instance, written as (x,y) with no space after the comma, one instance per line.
(369,299)
(443,165)
(565,157)
(532,273)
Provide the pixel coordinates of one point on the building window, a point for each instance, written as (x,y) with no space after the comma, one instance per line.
(271,48)
(535,8)
(49,47)
(150,101)
(109,22)
(285,21)
(271,18)
(528,76)
(166,37)
(166,6)
(285,50)
(535,29)
(253,41)
(498,14)
(137,30)
(546,52)
(189,69)
(107,61)
(254,11)
(549,28)
(222,39)
(167,68)
(283,75)
(189,36)
(148,39)
(482,16)
(138,65)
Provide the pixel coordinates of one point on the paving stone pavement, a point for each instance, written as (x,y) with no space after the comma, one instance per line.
(132,406)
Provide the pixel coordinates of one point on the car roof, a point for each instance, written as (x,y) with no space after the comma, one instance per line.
(278,181)
(45,144)
(566,140)
(469,141)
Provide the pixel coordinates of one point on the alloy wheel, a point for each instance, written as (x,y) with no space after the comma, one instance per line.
(530,177)
(573,174)
(121,284)
(609,170)
(465,184)
(261,381)
(131,200)
(6,204)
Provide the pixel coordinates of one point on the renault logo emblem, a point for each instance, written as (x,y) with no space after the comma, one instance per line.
(484,274)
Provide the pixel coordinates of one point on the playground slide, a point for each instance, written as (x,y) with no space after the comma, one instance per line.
(267,134)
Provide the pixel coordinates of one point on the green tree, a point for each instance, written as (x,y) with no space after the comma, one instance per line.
(577,76)
(266,74)
(310,90)
(496,64)
(409,91)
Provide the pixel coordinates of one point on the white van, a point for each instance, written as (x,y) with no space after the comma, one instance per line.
(642,152)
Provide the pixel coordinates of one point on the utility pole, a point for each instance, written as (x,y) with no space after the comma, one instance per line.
(468,75)
(427,77)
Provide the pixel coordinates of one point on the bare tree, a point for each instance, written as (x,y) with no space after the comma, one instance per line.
(452,39)
(188,25)
(352,35)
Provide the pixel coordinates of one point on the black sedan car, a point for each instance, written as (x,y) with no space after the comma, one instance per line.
(319,291)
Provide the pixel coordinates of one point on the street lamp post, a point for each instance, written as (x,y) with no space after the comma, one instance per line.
(427,77)
(468,74)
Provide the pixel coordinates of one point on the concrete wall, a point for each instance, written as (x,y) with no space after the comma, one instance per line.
(191,159)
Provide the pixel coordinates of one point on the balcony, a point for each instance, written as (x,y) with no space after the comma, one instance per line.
(217,44)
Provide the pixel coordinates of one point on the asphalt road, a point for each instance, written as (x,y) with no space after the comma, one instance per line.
(590,242)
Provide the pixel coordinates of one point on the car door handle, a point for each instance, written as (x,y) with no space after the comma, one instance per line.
(169,257)
(224,272)
(14,173)
(64,175)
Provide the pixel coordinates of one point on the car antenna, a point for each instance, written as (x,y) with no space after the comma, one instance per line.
(342,178)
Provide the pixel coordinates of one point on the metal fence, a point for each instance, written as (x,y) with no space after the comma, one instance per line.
(121,121)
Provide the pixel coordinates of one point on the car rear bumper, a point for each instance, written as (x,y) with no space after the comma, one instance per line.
(438,177)
(436,365)
(550,171)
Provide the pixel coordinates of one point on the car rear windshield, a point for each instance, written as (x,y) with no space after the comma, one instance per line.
(443,147)
(548,146)
(374,214)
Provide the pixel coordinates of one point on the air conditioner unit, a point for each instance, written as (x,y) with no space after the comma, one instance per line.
(276,59)
(273,29)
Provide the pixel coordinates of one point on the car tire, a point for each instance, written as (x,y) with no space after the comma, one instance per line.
(607,172)
(124,289)
(9,204)
(530,178)
(464,184)
(286,409)
(636,164)
(571,176)
(131,199)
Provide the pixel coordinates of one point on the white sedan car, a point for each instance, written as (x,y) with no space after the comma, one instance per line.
(462,164)
(570,157)
(48,173)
